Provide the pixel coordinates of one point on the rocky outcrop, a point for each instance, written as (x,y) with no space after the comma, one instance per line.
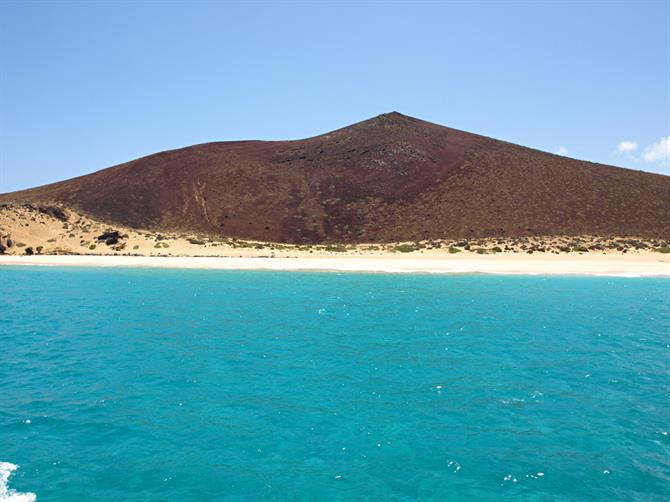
(111,237)
(54,212)
(5,243)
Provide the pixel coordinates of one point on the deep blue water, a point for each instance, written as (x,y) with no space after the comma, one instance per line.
(207,385)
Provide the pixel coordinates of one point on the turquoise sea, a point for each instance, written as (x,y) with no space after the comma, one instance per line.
(148,385)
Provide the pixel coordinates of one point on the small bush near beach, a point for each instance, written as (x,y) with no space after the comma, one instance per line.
(453,250)
(337,248)
(664,249)
(405,248)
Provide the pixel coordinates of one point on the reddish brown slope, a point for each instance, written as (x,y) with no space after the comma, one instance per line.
(390,178)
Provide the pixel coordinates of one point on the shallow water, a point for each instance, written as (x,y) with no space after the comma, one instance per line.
(122,384)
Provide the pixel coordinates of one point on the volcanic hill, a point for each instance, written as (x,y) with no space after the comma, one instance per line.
(388,179)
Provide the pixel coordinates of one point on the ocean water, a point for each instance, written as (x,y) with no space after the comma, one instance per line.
(138,385)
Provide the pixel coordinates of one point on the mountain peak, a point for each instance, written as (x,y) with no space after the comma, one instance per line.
(393,116)
(389,120)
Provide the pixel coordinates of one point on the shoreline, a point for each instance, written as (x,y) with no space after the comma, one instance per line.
(613,265)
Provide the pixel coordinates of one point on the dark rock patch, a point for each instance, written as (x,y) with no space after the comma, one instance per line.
(111,237)
(53,211)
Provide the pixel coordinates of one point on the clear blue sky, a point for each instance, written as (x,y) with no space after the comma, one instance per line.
(86,85)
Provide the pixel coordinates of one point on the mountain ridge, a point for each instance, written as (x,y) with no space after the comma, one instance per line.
(388,178)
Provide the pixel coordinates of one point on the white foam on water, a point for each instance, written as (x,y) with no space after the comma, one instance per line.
(6,493)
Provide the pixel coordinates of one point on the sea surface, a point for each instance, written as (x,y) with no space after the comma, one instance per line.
(148,385)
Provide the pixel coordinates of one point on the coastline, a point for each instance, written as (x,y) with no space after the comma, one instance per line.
(614,265)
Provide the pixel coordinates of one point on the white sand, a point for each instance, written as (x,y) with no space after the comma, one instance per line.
(630,265)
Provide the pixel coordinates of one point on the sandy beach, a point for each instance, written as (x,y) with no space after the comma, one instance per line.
(637,265)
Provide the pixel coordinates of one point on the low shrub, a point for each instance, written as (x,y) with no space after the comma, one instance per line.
(337,248)
(405,248)
(453,250)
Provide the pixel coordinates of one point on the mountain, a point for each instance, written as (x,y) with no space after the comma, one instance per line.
(390,178)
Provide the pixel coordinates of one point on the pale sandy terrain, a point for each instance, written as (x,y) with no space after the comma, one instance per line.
(38,237)
(642,264)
